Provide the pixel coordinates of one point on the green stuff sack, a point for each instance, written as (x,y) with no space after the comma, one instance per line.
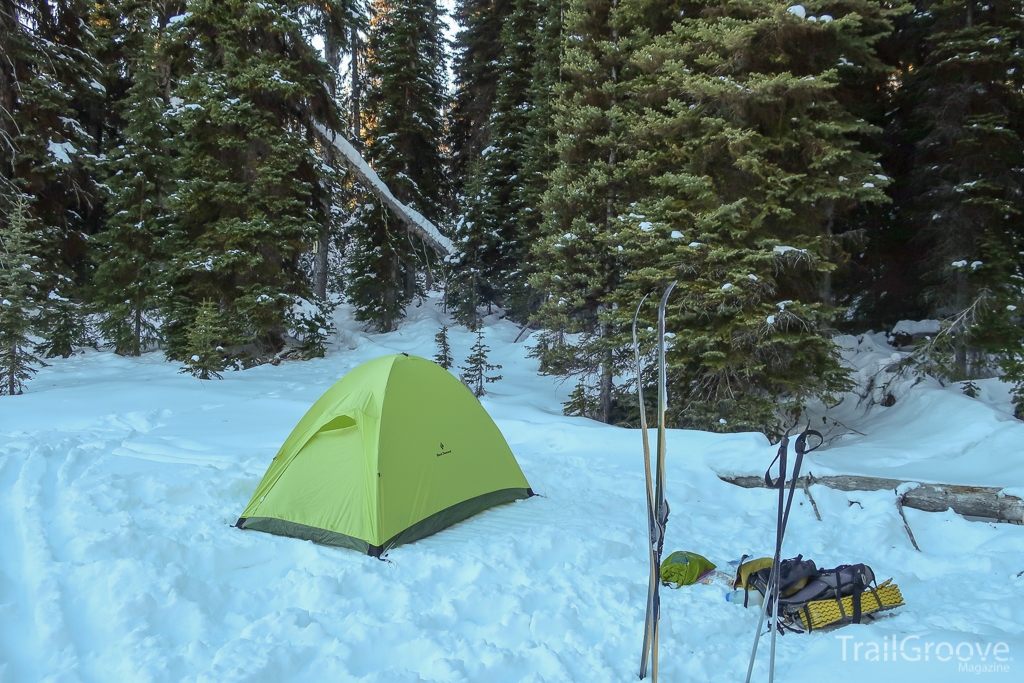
(683,568)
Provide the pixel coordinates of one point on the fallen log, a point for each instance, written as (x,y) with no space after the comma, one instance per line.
(414,221)
(973,501)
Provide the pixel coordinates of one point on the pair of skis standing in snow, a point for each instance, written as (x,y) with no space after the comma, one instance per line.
(657,506)
(658,509)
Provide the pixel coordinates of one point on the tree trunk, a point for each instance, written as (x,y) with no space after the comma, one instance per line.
(976,501)
(354,70)
(960,338)
(604,405)
(323,245)
(826,280)
(12,370)
(390,294)
(332,54)
(137,350)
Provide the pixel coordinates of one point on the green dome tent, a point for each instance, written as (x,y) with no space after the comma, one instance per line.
(396,450)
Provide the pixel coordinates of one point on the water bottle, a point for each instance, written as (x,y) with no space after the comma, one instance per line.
(753,597)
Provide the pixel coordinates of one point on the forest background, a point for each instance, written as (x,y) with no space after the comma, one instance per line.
(799,169)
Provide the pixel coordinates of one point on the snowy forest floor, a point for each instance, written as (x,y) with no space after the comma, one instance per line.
(120,480)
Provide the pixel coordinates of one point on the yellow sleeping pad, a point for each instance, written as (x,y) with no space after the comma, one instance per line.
(821,613)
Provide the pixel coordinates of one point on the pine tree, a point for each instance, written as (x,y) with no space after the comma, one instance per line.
(341,25)
(474,372)
(204,347)
(478,49)
(382,277)
(140,178)
(493,246)
(249,201)
(577,265)
(443,357)
(581,402)
(48,94)
(880,283)
(19,297)
(404,97)
(540,152)
(965,120)
(746,164)
(310,322)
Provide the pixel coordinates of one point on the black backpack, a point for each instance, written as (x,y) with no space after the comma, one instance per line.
(800,582)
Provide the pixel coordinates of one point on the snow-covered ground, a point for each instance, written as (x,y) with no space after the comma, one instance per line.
(120,480)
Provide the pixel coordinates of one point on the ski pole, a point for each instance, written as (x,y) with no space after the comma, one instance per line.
(781,456)
(774,576)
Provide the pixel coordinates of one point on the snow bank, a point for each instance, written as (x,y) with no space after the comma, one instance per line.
(912,327)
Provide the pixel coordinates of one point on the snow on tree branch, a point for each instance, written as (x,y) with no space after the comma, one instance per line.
(415,221)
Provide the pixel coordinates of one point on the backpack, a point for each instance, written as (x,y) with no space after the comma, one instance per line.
(811,598)
(794,575)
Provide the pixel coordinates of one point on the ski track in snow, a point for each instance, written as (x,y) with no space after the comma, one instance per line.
(120,480)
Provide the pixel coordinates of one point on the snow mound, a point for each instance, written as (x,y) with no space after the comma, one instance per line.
(912,327)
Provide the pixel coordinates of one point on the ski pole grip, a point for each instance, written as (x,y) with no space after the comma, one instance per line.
(801,442)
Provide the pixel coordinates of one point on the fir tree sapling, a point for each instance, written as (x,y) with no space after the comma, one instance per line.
(19,289)
(204,353)
(581,402)
(310,322)
(444,349)
(970,388)
(474,372)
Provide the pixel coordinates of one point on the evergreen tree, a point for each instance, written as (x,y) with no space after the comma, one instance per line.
(493,246)
(341,25)
(204,347)
(478,49)
(382,277)
(881,281)
(581,401)
(540,154)
(404,98)
(577,265)
(140,178)
(443,357)
(310,322)
(474,372)
(249,200)
(48,95)
(19,297)
(747,157)
(965,120)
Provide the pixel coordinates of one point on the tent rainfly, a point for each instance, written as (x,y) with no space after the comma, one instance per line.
(398,449)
